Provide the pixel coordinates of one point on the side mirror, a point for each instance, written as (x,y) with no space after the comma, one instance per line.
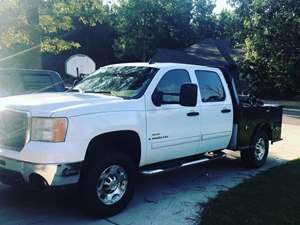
(157,98)
(188,95)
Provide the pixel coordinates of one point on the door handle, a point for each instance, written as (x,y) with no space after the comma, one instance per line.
(193,114)
(225,111)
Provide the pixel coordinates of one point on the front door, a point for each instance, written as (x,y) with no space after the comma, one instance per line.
(173,131)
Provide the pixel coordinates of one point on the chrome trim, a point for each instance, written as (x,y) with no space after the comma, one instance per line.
(28,129)
(54,174)
(112,185)
(152,172)
(260,149)
(199,161)
(194,162)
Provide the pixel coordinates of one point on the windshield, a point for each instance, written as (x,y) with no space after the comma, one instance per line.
(121,81)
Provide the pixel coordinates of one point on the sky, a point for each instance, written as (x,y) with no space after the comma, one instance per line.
(221,4)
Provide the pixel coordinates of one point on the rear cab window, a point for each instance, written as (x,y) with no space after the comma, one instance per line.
(210,85)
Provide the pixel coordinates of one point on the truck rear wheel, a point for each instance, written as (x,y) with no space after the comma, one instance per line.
(107,184)
(256,156)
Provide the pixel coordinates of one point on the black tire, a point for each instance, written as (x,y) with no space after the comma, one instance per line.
(250,157)
(90,179)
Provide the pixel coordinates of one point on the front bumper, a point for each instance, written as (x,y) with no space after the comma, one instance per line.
(14,172)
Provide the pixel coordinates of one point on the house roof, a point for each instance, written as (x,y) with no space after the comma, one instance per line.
(218,52)
(210,52)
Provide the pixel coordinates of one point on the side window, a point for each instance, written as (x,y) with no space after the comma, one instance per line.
(210,85)
(171,83)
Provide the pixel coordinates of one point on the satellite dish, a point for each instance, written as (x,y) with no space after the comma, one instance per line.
(80,65)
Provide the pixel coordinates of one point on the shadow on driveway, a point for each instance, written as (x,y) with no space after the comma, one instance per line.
(162,199)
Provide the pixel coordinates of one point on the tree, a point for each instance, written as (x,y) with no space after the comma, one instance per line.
(272,44)
(203,19)
(19,28)
(144,25)
(269,31)
(141,25)
(14,27)
(52,19)
(229,27)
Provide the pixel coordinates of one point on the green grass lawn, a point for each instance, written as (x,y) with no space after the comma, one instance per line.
(270,198)
(285,104)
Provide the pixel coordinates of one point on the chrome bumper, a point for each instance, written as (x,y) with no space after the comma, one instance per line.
(18,172)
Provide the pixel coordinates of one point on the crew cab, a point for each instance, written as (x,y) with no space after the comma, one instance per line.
(128,119)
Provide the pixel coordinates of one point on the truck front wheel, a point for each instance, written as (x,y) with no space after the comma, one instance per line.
(256,156)
(107,184)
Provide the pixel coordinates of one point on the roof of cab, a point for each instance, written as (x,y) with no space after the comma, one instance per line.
(162,65)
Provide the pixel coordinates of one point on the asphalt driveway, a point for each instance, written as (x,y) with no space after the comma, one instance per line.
(168,199)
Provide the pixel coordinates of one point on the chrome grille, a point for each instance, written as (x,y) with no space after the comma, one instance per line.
(13,129)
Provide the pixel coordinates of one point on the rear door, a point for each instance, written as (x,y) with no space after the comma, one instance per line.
(216,110)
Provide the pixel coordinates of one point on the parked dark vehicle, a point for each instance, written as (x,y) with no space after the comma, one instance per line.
(21,81)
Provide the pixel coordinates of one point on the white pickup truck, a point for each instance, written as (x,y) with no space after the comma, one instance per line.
(127,119)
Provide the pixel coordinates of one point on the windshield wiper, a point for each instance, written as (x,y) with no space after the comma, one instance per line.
(99,92)
(76,90)
(91,92)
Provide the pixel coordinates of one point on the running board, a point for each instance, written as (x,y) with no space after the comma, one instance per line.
(205,158)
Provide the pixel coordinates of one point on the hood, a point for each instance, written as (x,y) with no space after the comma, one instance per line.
(63,104)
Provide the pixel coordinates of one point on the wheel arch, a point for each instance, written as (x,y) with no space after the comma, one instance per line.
(264,126)
(124,141)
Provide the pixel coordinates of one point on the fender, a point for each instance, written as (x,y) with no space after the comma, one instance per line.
(263,126)
(87,127)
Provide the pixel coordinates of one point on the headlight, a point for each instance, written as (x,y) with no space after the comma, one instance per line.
(49,129)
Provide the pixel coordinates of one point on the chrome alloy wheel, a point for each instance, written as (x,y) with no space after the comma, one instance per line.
(260,149)
(112,185)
